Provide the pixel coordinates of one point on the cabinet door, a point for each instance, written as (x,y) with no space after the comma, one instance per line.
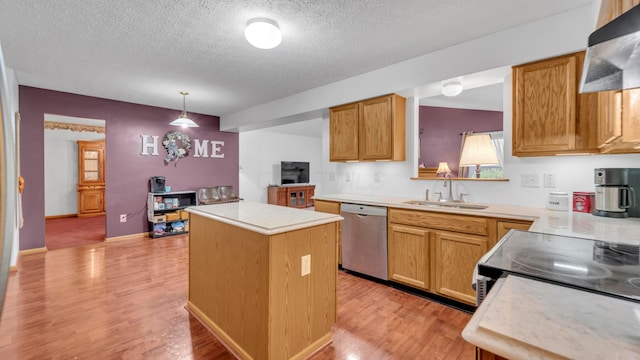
(90,202)
(409,255)
(455,259)
(310,194)
(90,162)
(631,116)
(610,118)
(376,131)
(544,105)
(343,133)
(505,226)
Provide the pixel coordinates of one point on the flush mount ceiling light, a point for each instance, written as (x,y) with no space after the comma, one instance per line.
(263,33)
(452,88)
(183,120)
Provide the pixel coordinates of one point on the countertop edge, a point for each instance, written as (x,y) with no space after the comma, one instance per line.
(266,231)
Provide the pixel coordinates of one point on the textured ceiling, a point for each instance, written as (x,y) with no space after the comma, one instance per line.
(147,51)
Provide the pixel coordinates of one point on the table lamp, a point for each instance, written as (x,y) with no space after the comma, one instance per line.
(478,150)
(443,168)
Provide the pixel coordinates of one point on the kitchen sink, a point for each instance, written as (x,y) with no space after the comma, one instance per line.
(446,204)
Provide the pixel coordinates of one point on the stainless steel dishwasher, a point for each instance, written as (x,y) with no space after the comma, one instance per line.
(364,239)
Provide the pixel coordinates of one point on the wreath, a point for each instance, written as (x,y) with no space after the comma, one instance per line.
(177,145)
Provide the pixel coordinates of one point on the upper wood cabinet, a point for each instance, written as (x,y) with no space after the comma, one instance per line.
(91,178)
(611,9)
(368,130)
(549,116)
(619,126)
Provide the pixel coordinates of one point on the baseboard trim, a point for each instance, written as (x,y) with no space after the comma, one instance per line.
(32,251)
(60,216)
(127,237)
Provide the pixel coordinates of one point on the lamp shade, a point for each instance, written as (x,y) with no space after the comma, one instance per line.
(263,33)
(443,168)
(452,88)
(478,150)
(183,120)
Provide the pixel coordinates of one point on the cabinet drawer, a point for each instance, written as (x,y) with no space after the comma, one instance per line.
(327,207)
(459,223)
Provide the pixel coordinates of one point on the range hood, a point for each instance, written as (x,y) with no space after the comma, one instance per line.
(612,61)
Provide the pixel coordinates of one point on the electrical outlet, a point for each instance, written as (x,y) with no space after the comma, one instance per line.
(123,217)
(305,265)
(549,180)
(332,176)
(376,177)
(347,177)
(529,180)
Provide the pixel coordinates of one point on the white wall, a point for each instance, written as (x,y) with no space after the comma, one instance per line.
(61,170)
(261,152)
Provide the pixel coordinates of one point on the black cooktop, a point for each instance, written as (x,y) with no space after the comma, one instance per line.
(593,265)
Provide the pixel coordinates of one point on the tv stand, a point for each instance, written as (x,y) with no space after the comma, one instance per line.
(298,195)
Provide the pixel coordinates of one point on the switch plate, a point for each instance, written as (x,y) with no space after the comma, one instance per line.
(347,177)
(332,176)
(529,180)
(305,265)
(376,177)
(123,217)
(549,180)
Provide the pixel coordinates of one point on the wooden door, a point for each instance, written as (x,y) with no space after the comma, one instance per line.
(456,256)
(343,132)
(408,250)
(376,129)
(91,178)
(544,106)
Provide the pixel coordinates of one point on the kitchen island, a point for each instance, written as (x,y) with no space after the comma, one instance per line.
(262,277)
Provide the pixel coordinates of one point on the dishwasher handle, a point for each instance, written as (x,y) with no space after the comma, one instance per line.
(363,210)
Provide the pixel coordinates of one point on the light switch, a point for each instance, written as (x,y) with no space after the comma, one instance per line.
(305,265)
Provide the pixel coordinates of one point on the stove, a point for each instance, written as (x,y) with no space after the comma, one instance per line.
(607,268)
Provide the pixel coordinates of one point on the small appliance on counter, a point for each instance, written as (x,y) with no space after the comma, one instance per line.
(157,184)
(605,268)
(617,192)
(558,200)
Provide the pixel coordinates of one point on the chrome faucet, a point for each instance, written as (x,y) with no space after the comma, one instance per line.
(448,176)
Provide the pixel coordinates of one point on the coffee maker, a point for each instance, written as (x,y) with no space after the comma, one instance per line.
(617,192)
(156,184)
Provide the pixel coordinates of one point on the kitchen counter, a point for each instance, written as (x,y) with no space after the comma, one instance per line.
(567,223)
(528,319)
(263,218)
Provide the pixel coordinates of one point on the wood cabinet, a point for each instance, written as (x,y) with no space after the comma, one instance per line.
(549,115)
(437,251)
(505,226)
(611,9)
(299,196)
(455,259)
(409,255)
(91,178)
(369,130)
(332,207)
(619,127)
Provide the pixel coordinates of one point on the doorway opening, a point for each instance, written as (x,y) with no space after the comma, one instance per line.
(74,183)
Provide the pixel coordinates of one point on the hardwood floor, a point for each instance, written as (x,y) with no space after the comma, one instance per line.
(74,231)
(125,300)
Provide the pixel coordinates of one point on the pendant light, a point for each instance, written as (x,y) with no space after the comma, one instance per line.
(183,120)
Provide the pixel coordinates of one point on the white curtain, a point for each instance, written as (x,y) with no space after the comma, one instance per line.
(497,138)
(463,172)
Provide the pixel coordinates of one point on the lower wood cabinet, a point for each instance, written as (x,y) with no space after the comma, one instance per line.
(293,196)
(332,207)
(455,259)
(409,255)
(90,201)
(438,252)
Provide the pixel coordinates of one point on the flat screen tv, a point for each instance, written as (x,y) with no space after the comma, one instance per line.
(294,172)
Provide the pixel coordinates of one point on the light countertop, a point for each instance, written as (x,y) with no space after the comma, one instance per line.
(528,319)
(567,223)
(263,218)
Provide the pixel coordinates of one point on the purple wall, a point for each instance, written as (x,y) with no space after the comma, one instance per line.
(127,172)
(441,128)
